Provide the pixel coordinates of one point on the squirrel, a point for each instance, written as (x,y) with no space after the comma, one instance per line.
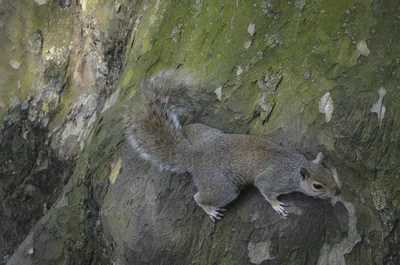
(220,164)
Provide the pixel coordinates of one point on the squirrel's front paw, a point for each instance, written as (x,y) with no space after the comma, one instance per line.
(279,207)
(215,213)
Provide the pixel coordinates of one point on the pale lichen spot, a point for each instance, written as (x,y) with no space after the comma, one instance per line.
(176,31)
(362,48)
(30,251)
(255,216)
(111,101)
(63,202)
(273,40)
(218,92)
(115,169)
(59,55)
(325,105)
(379,200)
(251,29)
(83,4)
(45,208)
(117,7)
(378,107)
(335,253)
(300,4)
(336,177)
(239,70)
(294,210)
(41,2)
(154,17)
(14,64)
(247,44)
(196,5)
(259,251)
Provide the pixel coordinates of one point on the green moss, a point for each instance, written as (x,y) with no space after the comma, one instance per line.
(45,108)
(75,196)
(91,5)
(104,142)
(27,17)
(257,128)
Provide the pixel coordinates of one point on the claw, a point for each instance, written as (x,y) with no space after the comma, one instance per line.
(279,208)
(215,213)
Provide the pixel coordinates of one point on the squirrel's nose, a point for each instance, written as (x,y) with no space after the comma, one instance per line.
(338,192)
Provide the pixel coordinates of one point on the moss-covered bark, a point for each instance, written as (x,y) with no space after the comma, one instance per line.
(314,75)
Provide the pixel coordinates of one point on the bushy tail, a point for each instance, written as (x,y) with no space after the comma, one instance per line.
(153,126)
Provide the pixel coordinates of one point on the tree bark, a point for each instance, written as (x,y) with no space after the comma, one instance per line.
(313,75)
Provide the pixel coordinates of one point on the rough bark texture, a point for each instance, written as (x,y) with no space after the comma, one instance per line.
(311,74)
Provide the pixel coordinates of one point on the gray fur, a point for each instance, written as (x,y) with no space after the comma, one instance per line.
(153,127)
(221,164)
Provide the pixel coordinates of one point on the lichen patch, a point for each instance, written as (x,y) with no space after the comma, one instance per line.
(247,44)
(378,107)
(251,29)
(41,2)
(259,251)
(14,64)
(239,71)
(362,48)
(325,105)
(218,92)
(334,254)
(115,169)
(111,101)
(83,4)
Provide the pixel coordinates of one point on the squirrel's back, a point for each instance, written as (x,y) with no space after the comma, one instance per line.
(244,156)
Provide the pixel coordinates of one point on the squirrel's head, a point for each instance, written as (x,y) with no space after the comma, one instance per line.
(317,180)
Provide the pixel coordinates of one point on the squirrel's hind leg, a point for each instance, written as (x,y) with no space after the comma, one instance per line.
(213,211)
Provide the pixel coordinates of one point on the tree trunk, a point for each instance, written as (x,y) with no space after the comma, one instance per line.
(313,75)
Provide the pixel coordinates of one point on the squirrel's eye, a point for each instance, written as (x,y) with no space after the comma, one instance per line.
(317,186)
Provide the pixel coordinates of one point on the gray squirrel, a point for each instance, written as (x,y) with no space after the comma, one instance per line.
(220,164)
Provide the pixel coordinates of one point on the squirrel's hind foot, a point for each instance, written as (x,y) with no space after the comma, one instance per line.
(212,211)
(215,213)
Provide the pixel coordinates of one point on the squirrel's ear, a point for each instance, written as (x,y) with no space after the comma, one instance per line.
(319,159)
(304,173)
